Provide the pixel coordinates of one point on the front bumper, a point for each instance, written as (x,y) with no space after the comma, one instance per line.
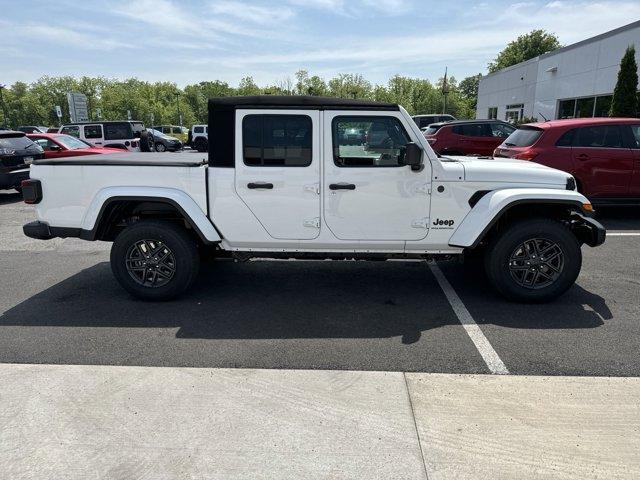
(589,230)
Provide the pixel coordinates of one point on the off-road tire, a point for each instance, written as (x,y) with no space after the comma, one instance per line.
(201,145)
(176,239)
(499,259)
(146,142)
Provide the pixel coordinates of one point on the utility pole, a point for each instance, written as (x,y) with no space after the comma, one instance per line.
(445,91)
(4,107)
(177,94)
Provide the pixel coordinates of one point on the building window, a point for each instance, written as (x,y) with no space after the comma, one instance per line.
(603,105)
(493,113)
(585,107)
(514,112)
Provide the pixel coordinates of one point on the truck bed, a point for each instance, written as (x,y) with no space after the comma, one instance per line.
(151,159)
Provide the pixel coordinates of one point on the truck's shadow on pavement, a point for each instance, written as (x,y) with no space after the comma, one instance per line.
(286,300)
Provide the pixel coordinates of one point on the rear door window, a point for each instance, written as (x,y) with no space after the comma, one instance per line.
(473,130)
(501,130)
(635,129)
(117,131)
(93,131)
(523,137)
(277,140)
(599,136)
(198,129)
(72,130)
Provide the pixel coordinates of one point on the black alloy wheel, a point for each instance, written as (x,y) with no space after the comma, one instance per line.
(536,263)
(150,263)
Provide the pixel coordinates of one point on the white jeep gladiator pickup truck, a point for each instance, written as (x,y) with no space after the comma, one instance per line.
(310,177)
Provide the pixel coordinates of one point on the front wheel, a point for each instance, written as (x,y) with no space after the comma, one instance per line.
(155,260)
(533,260)
(160,147)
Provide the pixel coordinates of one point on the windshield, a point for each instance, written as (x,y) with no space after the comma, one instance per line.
(523,137)
(72,143)
(16,143)
(432,129)
(157,133)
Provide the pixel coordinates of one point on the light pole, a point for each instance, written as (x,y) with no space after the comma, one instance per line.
(4,107)
(177,94)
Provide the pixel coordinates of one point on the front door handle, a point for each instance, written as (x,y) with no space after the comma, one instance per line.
(342,186)
(254,185)
(583,156)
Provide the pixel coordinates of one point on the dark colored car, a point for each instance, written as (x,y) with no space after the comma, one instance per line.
(32,129)
(165,143)
(57,145)
(16,154)
(423,121)
(603,154)
(467,137)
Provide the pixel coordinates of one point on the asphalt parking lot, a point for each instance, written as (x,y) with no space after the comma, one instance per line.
(61,305)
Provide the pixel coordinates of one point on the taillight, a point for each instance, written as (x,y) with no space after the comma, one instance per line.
(526,155)
(31,191)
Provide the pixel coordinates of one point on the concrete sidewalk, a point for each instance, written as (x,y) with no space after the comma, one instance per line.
(90,422)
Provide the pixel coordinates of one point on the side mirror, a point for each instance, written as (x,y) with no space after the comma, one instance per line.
(55,148)
(412,156)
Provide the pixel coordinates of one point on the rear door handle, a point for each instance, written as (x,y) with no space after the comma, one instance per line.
(342,186)
(583,156)
(254,185)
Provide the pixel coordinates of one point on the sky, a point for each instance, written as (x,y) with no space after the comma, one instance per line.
(188,41)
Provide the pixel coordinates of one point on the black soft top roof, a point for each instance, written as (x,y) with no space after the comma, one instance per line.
(297,101)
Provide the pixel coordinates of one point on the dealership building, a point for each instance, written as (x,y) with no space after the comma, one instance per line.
(573,81)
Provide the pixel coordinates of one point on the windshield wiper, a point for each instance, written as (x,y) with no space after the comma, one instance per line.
(510,144)
(29,146)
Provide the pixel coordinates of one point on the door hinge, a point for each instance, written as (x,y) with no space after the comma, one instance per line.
(313,222)
(425,188)
(313,187)
(420,223)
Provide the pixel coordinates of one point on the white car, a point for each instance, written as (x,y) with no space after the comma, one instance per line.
(280,181)
(126,135)
(199,138)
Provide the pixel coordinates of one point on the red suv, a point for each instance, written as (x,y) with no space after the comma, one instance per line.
(603,154)
(467,137)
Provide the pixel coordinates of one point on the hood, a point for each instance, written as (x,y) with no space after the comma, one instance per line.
(509,170)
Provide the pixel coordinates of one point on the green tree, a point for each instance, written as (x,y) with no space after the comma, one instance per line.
(524,48)
(469,89)
(350,85)
(625,97)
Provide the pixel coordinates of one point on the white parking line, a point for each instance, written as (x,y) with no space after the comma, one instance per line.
(489,355)
(623,234)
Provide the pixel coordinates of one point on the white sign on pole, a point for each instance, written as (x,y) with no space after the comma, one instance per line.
(99,113)
(128,114)
(152,117)
(58,111)
(78,107)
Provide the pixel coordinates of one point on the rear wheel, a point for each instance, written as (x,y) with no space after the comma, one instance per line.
(201,144)
(155,260)
(533,260)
